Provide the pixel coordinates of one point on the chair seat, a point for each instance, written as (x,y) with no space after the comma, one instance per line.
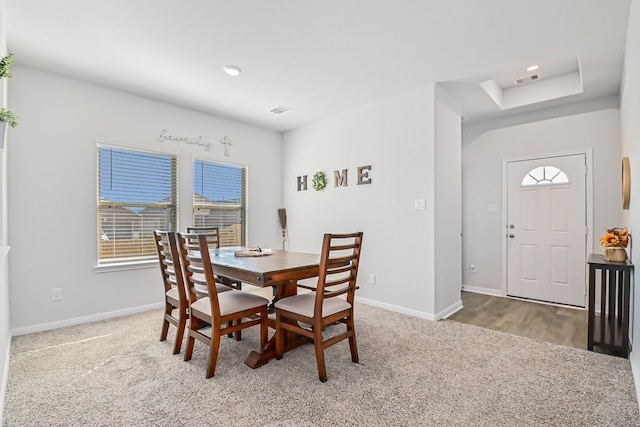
(303,305)
(173,293)
(230,302)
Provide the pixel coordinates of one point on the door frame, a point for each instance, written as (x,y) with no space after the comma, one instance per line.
(588,153)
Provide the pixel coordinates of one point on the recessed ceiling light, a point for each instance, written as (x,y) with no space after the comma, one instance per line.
(232,70)
(533,68)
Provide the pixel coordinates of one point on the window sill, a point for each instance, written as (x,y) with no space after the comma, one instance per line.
(123,266)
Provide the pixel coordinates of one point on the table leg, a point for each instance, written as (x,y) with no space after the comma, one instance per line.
(268,352)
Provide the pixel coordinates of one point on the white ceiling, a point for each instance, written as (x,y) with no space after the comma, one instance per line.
(317,57)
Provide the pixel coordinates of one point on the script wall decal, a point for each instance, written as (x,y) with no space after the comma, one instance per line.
(165,136)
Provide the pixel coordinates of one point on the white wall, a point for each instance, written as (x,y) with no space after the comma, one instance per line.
(5,333)
(630,134)
(396,136)
(52,192)
(448,205)
(482,160)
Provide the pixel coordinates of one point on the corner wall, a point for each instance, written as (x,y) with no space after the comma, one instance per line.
(482,160)
(630,135)
(52,192)
(5,332)
(397,137)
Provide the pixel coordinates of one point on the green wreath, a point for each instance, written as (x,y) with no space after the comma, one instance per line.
(319,181)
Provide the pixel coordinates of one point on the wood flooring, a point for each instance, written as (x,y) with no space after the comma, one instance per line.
(549,323)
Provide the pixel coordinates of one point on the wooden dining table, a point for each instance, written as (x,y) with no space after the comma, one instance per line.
(281,270)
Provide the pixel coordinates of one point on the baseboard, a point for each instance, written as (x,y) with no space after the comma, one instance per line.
(485,291)
(85,319)
(635,370)
(454,308)
(397,309)
(5,378)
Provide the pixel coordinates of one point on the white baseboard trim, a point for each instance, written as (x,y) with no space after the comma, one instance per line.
(485,291)
(454,308)
(635,370)
(397,309)
(5,378)
(85,319)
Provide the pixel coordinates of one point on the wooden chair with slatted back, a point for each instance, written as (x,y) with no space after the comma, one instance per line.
(213,237)
(175,298)
(330,303)
(226,312)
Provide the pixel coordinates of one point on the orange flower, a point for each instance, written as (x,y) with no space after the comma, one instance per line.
(616,237)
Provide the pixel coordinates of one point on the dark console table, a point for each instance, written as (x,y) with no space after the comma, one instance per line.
(609,320)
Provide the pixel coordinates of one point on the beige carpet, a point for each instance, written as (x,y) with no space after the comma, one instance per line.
(412,372)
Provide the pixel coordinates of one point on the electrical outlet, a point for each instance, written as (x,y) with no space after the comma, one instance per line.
(372,279)
(56,294)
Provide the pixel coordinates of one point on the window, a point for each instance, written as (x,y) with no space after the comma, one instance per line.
(220,200)
(545,175)
(137,193)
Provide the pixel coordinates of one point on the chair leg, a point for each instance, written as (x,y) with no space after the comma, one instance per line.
(213,353)
(319,348)
(230,324)
(165,323)
(238,334)
(182,323)
(279,337)
(193,325)
(352,340)
(264,329)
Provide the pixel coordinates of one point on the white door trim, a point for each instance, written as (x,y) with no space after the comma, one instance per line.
(588,153)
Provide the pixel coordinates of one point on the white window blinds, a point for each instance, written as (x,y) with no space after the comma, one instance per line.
(220,200)
(137,193)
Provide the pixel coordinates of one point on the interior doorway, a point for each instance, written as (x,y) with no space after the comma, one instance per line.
(546,228)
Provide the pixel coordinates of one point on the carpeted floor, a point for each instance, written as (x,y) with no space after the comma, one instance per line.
(412,372)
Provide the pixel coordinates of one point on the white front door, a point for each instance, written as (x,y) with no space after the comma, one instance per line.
(546,229)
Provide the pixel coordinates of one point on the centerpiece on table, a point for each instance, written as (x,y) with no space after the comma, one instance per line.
(615,243)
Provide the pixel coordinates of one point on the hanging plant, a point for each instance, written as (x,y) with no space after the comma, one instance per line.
(5,65)
(319,181)
(8,117)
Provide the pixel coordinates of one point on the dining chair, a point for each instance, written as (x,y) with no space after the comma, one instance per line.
(175,298)
(330,303)
(225,312)
(213,238)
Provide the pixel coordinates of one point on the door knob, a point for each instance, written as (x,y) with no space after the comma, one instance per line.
(511,236)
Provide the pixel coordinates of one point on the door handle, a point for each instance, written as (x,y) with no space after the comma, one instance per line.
(511,236)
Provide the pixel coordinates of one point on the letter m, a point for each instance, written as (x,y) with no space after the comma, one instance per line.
(340,179)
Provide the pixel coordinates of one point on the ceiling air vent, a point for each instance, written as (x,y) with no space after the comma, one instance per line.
(528,79)
(279,109)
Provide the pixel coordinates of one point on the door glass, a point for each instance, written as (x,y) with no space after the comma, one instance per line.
(545,175)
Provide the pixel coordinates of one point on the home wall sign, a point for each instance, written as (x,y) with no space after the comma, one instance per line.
(340,178)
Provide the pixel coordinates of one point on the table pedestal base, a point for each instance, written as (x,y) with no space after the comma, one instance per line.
(291,340)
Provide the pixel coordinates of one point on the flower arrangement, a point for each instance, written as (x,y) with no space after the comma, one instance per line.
(616,237)
(319,181)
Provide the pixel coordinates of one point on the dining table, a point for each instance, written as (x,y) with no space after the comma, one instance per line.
(275,268)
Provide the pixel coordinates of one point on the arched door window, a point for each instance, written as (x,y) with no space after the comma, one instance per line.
(545,175)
